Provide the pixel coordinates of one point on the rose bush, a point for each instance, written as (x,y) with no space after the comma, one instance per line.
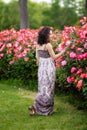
(16,50)
(74,62)
(17,53)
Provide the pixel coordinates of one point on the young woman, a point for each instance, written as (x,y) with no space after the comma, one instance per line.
(45,56)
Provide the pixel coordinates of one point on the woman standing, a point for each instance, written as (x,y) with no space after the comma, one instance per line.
(45,56)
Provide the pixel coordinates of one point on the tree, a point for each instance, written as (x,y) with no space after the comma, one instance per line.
(86,7)
(23,14)
(9,15)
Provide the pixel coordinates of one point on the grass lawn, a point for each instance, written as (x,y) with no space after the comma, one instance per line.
(14,113)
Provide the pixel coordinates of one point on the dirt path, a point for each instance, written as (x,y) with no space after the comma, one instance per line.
(27,94)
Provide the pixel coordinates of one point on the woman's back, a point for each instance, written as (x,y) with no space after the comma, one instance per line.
(42,51)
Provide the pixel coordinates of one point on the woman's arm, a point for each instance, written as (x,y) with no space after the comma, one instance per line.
(52,53)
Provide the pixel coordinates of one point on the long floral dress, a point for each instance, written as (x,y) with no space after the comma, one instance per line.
(44,101)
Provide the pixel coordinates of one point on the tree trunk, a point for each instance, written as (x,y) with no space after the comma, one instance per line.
(86,7)
(23,14)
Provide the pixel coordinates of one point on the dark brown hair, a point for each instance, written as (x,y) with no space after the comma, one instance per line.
(43,35)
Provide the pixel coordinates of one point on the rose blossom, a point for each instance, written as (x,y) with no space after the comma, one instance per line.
(8,45)
(79,71)
(1,55)
(2,48)
(72,55)
(79,49)
(80,57)
(60,48)
(68,42)
(83,75)
(69,79)
(64,62)
(85,55)
(85,45)
(73,69)
(11,62)
(59,59)
(79,84)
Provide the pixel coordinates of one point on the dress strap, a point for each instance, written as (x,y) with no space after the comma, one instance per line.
(45,47)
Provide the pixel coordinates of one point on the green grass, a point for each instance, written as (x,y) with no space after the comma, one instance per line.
(14,115)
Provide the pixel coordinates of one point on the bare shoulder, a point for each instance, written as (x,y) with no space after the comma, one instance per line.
(49,45)
(37,46)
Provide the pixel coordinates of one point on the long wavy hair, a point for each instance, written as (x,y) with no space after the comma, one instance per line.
(43,35)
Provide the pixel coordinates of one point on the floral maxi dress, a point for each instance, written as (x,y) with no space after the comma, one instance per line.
(44,101)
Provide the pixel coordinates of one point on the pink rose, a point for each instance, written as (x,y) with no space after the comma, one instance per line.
(60,48)
(83,75)
(68,42)
(59,59)
(72,55)
(80,57)
(11,62)
(79,49)
(79,71)
(1,55)
(79,84)
(69,79)
(2,48)
(85,45)
(85,55)
(64,62)
(8,45)
(73,69)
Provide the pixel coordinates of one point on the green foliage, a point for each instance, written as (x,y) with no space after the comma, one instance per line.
(24,71)
(9,15)
(4,68)
(63,15)
(36,13)
(61,78)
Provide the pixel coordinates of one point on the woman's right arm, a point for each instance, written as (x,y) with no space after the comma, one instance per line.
(52,53)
